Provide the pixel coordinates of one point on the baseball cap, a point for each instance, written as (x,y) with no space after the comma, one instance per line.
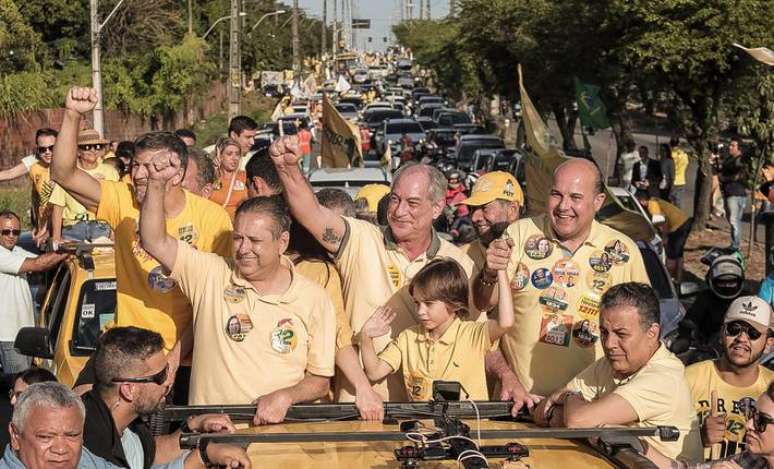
(373,193)
(90,137)
(750,309)
(492,186)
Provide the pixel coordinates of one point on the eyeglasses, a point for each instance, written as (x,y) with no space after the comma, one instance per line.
(760,421)
(91,146)
(10,232)
(14,394)
(45,149)
(159,378)
(735,328)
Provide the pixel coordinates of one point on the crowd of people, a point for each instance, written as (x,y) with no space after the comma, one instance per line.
(237,283)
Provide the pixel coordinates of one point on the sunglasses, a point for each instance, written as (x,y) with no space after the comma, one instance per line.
(45,149)
(735,328)
(760,421)
(12,394)
(10,232)
(91,146)
(159,378)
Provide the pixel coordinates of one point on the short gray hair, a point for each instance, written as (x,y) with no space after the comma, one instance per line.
(437,181)
(48,394)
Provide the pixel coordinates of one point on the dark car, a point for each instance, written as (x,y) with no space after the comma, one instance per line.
(375,117)
(468,144)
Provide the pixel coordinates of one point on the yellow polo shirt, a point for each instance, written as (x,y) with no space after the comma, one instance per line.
(375,272)
(325,274)
(659,395)
(674,216)
(556,297)
(73,210)
(703,378)
(247,344)
(477,253)
(458,355)
(681,165)
(146,297)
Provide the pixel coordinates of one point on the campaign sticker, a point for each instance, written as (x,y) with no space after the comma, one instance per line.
(566,273)
(618,251)
(588,307)
(520,277)
(160,282)
(103,286)
(238,326)
(283,337)
(554,299)
(537,247)
(600,261)
(416,386)
(395,275)
(88,311)
(541,278)
(598,282)
(585,333)
(187,233)
(239,185)
(556,329)
(234,294)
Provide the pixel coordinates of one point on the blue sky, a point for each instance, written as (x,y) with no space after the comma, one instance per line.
(382,14)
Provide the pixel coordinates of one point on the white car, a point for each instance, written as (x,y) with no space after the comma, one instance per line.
(350,180)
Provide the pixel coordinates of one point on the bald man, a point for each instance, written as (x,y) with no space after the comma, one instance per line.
(559,264)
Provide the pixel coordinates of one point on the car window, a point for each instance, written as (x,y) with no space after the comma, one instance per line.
(53,290)
(58,307)
(404,128)
(658,277)
(379,116)
(96,309)
(467,149)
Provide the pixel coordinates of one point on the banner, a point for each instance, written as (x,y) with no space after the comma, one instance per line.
(544,157)
(340,146)
(342,85)
(761,54)
(591,110)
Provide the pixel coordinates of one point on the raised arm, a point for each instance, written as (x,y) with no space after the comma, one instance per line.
(42,263)
(64,171)
(485,289)
(504,308)
(327,227)
(153,233)
(12,173)
(376,326)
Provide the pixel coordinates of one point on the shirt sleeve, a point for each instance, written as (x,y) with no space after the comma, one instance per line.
(109,204)
(587,382)
(322,347)
(28,161)
(10,261)
(218,223)
(57,196)
(649,393)
(392,354)
(635,268)
(193,270)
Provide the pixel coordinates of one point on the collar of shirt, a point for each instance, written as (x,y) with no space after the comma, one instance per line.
(448,336)
(595,238)
(392,245)
(287,297)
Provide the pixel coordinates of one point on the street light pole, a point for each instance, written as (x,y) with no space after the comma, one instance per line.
(272,13)
(234,62)
(323,37)
(96,67)
(296,44)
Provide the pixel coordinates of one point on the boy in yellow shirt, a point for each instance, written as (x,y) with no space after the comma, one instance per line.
(441,346)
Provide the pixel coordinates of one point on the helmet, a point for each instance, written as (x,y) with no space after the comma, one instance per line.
(452,174)
(725,276)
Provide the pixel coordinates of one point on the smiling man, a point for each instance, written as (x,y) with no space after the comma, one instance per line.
(560,264)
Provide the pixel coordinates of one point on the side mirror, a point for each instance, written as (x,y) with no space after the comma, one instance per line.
(33,342)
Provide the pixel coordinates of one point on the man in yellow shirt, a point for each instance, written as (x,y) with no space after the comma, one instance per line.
(722,390)
(675,229)
(69,219)
(680,157)
(264,333)
(638,382)
(559,264)
(146,297)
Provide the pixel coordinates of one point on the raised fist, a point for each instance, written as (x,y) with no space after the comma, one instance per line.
(164,166)
(284,151)
(80,100)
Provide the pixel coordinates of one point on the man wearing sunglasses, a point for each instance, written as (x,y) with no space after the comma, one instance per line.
(720,388)
(133,380)
(15,264)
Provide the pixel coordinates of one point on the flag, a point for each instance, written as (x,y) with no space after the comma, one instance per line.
(543,159)
(310,85)
(761,54)
(342,85)
(386,160)
(591,109)
(340,147)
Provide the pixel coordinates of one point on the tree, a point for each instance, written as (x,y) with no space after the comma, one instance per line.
(20,45)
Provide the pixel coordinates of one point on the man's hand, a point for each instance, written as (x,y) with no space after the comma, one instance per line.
(211,423)
(272,407)
(227,455)
(163,167)
(40,236)
(370,404)
(511,389)
(498,254)
(540,412)
(379,322)
(714,426)
(285,152)
(80,100)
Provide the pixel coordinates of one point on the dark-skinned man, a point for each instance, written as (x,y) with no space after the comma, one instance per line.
(560,264)
(264,333)
(146,297)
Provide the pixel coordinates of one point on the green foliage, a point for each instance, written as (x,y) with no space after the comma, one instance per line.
(24,91)
(62,24)
(20,45)
(17,199)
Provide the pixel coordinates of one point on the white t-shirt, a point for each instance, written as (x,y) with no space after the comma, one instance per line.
(133,451)
(628,160)
(28,161)
(15,292)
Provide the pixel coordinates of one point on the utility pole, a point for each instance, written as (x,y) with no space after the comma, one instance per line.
(335,28)
(96,72)
(234,62)
(190,17)
(324,38)
(427,10)
(296,44)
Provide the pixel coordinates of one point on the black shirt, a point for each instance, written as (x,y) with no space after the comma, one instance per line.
(101,436)
(732,177)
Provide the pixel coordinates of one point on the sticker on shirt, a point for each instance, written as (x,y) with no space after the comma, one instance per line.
(395,275)
(537,247)
(585,333)
(520,277)
(283,337)
(600,261)
(588,307)
(239,185)
(619,253)
(417,387)
(566,273)
(598,282)
(553,300)
(542,278)
(188,233)
(160,282)
(555,329)
(238,326)
(234,294)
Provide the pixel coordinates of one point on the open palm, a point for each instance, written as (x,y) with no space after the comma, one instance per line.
(379,322)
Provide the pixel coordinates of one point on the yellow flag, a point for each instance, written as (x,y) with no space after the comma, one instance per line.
(386,160)
(544,158)
(340,146)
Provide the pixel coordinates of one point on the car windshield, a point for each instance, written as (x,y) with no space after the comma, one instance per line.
(96,309)
(381,115)
(453,118)
(469,148)
(404,128)
(346,108)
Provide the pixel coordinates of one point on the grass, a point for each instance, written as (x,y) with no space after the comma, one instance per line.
(17,199)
